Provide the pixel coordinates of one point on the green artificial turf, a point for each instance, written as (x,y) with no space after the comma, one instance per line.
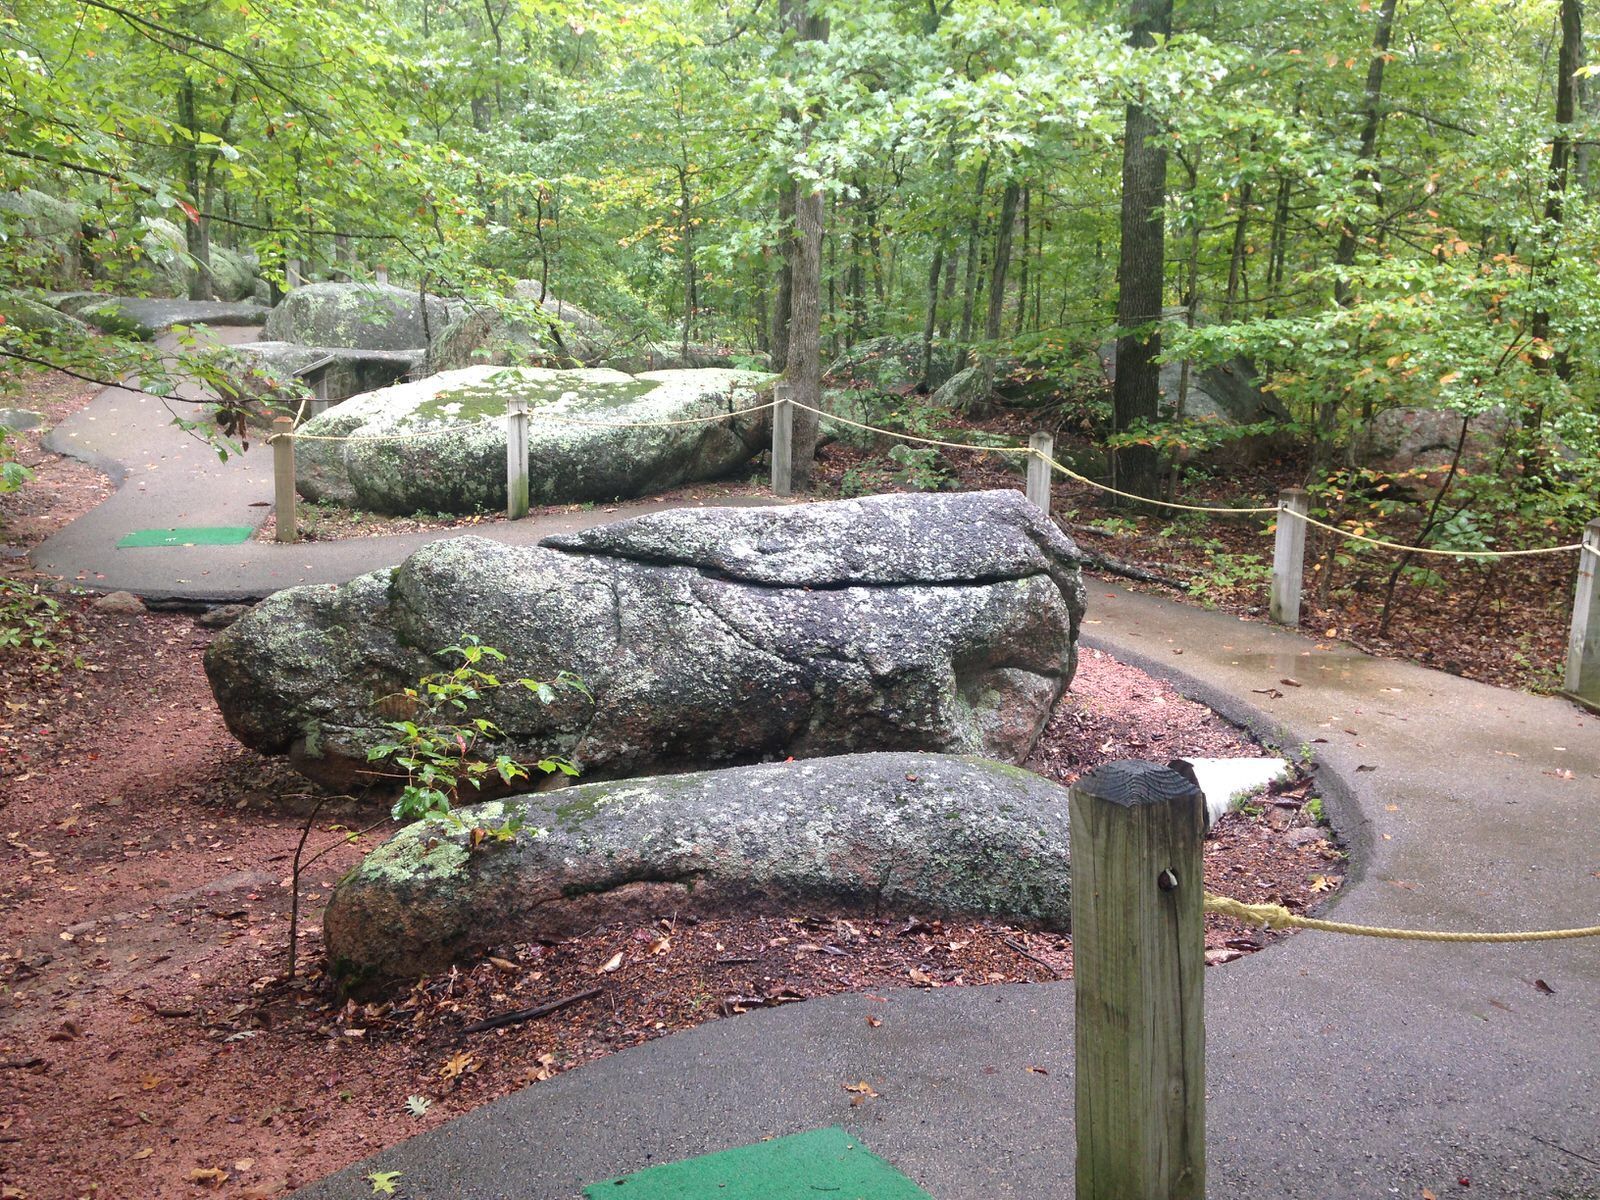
(805,1166)
(193,535)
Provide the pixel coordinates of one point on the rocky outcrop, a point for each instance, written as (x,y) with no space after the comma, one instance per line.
(1424,439)
(143,318)
(45,235)
(706,637)
(531,328)
(365,316)
(873,834)
(351,373)
(589,437)
(26,316)
(891,366)
(1228,393)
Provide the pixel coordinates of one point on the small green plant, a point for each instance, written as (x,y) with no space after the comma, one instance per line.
(1225,572)
(437,744)
(30,623)
(1313,810)
(922,469)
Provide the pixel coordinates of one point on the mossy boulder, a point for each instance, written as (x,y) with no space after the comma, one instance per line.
(351,373)
(365,316)
(589,437)
(45,235)
(706,637)
(869,834)
(36,321)
(139,317)
(888,365)
(530,328)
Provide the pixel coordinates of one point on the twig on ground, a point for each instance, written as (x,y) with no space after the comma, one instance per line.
(516,1016)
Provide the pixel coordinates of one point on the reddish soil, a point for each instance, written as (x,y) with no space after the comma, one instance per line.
(149,1043)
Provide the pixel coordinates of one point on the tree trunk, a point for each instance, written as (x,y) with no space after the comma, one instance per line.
(974,229)
(928,321)
(1022,267)
(783,291)
(997,291)
(1568,62)
(1327,430)
(803,360)
(951,262)
(1137,390)
(196,238)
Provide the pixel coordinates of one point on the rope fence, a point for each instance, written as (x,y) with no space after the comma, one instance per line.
(1292,512)
(1275,916)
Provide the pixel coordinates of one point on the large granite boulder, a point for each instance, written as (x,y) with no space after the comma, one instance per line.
(366,316)
(1409,438)
(139,317)
(706,637)
(531,328)
(589,437)
(888,365)
(660,356)
(36,321)
(888,834)
(44,235)
(350,373)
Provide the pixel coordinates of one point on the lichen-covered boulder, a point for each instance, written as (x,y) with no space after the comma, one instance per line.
(233,274)
(136,316)
(590,437)
(33,320)
(888,834)
(659,356)
(889,365)
(44,234)
(705,637)
(531,328)
(366,316)
(1410,438)
(351,373)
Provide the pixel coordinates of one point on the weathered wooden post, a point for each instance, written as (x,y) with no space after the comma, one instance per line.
(381,274)
(293,274)
(1138,950)
(321,394)
(1041,448)
(1583,646)
(782,439)
(283,478)
(1289,556)
(516,457)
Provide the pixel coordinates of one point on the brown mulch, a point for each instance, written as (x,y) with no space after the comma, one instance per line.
(146,1031)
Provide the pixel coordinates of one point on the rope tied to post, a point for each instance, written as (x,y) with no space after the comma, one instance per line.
(1275,916)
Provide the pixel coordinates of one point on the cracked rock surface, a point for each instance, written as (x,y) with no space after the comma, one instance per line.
(875,834)
(706,637)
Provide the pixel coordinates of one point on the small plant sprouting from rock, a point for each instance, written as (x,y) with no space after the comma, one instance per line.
(436,745)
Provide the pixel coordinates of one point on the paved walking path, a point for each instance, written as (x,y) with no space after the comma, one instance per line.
(1337,1067)
(166,477)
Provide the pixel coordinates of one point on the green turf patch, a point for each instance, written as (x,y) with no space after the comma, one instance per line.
(193,535)
(804,1166)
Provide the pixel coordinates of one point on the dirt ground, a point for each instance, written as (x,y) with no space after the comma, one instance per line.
(150,1043)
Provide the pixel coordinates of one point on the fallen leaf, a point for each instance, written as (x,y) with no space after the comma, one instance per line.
(244,1164)
(1365,767)
(383,1182)
(862,1090)
(920,978)
(211,1176)
(503,964)
(1037,1071)
(1290,682)
(612,963)
(1428,1195)
(143,1154)
(874,1022)
(1542,986)
(457,1065)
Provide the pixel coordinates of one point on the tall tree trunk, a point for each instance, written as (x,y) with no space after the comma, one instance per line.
(691,298)
(1022,267)
(969,298)
(1568,62)
(934,269)
(1327,427)
(951,263)
(803,363)
(781,300)
(1241,225)
(196,238)
(997,291)
(1140,267)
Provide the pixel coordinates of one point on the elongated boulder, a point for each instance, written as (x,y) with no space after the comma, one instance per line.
(439,444)
(351,372)
(530,327)
(706,637)
(874,834)
(364,316)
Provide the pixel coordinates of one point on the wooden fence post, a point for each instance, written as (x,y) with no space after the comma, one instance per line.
(293,275)
(320,395)
(1039,470)
(283,493)
(516,457)
(1289,557)
(782,439)
(1583,646)
(381,273)
(1138,950)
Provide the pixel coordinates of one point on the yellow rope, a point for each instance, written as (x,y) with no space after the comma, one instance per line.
(911,437)
(1084,479)
(1372,541)
(1275,916)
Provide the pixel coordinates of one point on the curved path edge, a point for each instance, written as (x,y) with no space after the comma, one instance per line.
(1337,1066)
